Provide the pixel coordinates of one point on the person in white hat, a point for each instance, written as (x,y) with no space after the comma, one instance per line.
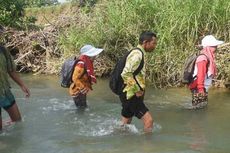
(83,76)
(204,71)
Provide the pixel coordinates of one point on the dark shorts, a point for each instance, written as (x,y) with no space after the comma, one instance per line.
(7,100)
(133,107)
(80,101)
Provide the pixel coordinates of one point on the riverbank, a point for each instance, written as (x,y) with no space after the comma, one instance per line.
(116,29)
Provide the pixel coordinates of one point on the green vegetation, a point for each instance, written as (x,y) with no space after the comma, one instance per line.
(48,14)
(40,3)
(11,12)
(179,24)
(115,25)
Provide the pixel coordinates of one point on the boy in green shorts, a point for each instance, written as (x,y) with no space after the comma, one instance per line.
(7,100)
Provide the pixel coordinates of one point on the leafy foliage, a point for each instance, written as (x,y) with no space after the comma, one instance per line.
(39,3)
(179,24)
(11,12)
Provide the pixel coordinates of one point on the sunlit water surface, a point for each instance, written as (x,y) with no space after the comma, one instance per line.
(52,124)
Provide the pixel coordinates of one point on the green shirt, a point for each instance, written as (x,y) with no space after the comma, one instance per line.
(6,65)
(132,63)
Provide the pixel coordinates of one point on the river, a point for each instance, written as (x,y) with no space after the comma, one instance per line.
(52,124)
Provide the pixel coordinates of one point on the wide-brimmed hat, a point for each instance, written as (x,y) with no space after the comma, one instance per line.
(210,40)
(91,51)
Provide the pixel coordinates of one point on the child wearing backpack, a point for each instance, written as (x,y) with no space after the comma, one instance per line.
(83,75)
(204,71)
(7,99)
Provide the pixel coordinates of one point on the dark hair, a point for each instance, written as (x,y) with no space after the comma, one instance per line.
(146,35)
(1,29)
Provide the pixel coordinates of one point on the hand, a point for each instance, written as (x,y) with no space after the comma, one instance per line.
(140,93)
(202,94)
(26,91)
(84,90)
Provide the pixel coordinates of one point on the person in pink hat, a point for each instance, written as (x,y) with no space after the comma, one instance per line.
(205,70)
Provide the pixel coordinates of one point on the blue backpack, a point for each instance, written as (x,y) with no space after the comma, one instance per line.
(67,71)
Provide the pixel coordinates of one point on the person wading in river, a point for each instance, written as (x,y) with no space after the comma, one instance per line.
(7,100)
(83,76)
(132,97)
(204,71)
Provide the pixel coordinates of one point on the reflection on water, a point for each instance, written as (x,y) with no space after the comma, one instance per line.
(51,122)
(197,134)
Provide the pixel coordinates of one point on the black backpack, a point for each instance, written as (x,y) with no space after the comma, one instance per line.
(3,49)
(187,75)
(67,71)
(116,82)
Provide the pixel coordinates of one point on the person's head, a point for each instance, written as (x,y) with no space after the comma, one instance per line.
(1,30)
(90,51)
(210,41)
(148,40)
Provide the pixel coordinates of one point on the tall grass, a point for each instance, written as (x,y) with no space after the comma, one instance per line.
(46,14)
(179,24)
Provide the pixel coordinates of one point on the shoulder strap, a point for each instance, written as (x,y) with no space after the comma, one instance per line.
(139,67)
(3,49)
(207,58)
(76,62)
(141,64)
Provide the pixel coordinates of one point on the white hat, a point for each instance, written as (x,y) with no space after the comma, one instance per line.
(91,51)
(210,40)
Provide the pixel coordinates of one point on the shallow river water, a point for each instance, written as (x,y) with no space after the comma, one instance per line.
(52,124)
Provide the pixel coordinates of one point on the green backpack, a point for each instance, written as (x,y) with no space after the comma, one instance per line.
(188,70)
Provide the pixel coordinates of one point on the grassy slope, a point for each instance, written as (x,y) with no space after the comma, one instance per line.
(115,25)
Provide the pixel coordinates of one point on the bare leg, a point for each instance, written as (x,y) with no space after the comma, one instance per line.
(14,113)
(125,120)
(148,122)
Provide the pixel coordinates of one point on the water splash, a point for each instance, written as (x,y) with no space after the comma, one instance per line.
(100,126)
(157,127)
(56,105)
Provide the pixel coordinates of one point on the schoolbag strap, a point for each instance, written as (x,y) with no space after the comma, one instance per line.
(85,69)
(3,49)
(206,57)
(206,65)
(208,61)
(140,67)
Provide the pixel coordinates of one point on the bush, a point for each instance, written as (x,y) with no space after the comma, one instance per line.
(180,25)
(11,12)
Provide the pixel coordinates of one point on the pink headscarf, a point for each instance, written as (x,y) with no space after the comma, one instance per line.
(209,52)
(89,66)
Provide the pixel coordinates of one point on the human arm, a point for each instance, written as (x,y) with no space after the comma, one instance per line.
(21,84)
(78,85)
(10,65)
(201,74)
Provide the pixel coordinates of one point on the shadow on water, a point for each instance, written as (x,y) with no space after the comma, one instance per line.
(51,122)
